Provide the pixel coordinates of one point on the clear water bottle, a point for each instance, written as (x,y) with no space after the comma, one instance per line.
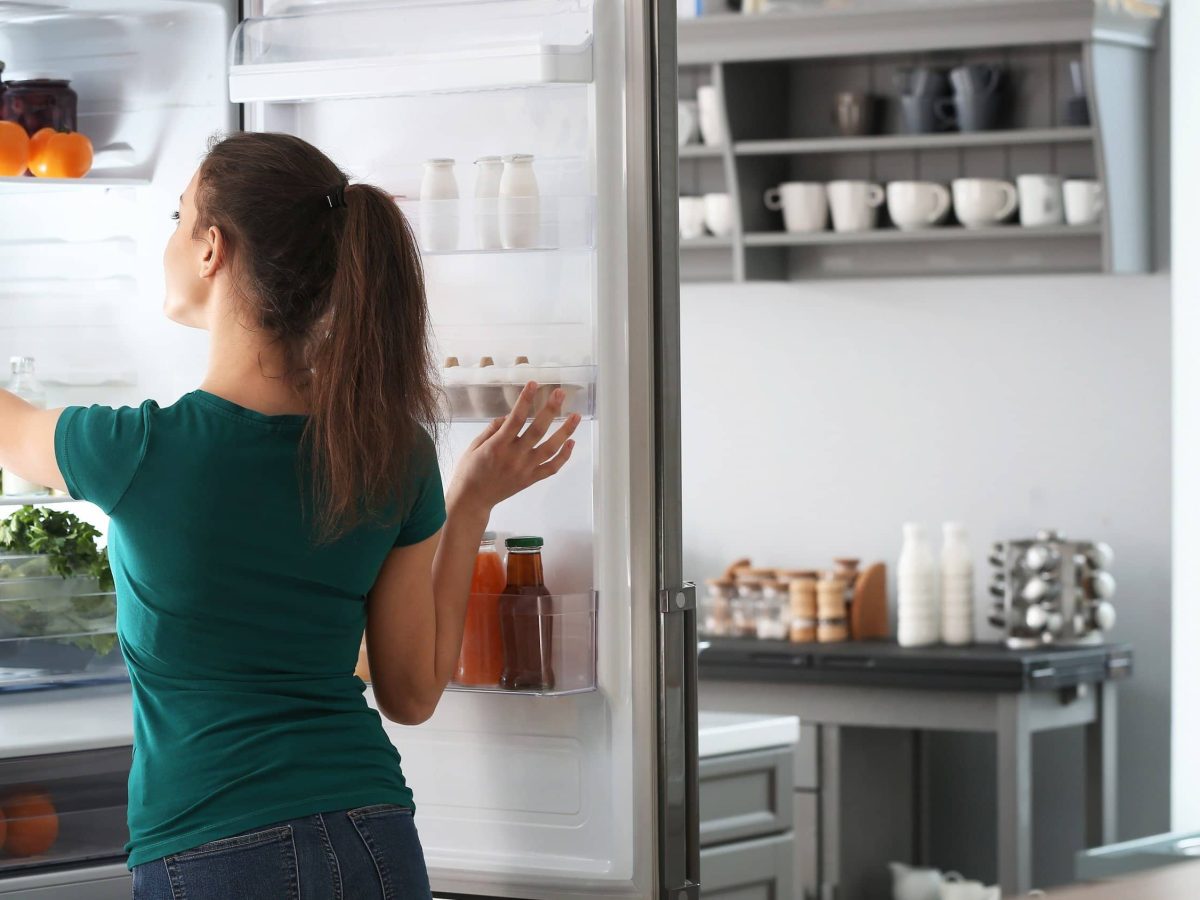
(26,386)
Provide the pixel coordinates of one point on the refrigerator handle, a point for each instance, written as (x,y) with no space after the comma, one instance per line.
(654,97)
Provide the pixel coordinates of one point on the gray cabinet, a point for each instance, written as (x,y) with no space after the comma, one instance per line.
(747,841)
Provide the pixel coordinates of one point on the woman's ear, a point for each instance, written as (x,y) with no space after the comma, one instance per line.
(212,255)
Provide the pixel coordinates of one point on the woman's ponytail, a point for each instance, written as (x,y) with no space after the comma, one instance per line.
(373,389)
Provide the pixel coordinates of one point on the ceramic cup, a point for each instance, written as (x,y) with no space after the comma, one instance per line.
(854,114)
(712,125)
(804,203)
(718,213)
(691,217)
(1083,199)
(689,122)
(955,887)
(854,204)
(1041,198)
(917,204)
(980,202)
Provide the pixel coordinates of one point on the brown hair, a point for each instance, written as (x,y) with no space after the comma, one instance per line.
(333,272)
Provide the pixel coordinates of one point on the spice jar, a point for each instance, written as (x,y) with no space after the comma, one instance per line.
(745,607)
(716,612)
(803,596)
(774,612)
(831,609)
(37,103)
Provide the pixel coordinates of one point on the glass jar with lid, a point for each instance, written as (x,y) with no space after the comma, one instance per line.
(744,607)
(716,610)
(42,102)
(774,612)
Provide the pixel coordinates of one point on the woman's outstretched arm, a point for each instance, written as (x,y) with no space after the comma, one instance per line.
(27,441)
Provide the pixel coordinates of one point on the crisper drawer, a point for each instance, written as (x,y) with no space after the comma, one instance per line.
(63,809)
(54,630)
(745,795)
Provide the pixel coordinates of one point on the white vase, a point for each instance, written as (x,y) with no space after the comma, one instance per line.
(439,207)
(520,206)
(488,171)
(916,596)
(957,586)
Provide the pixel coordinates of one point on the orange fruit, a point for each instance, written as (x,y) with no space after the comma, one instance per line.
(37,147)
(64,154)
(32,823)
(14,149)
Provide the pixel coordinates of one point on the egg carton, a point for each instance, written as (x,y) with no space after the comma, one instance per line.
(484,393)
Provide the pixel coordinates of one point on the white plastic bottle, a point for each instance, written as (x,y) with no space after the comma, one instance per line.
(958,586)
(439,207)
(26,386)
(916,578)
(488,170)
(520,208)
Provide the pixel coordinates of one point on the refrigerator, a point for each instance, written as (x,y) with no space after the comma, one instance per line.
(584,790)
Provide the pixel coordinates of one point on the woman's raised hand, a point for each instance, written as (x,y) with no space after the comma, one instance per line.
(504,460)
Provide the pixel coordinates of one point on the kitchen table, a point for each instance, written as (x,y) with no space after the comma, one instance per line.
(1011,694)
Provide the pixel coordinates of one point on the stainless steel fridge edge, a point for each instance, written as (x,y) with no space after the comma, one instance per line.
(652,161)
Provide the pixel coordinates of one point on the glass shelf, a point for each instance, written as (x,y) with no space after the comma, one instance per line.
(553,647)
(393,50)
(469,400)
(54,630)
(526,225)
(24,184)
(35,499)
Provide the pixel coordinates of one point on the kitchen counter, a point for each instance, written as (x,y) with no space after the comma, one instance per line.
(1172,882)
(89,718)
(722,732)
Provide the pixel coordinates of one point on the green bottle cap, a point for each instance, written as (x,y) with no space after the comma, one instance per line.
(524,543)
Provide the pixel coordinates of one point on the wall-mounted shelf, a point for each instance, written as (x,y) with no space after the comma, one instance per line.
(776,76)
(1010,137)
(700,151)
(921,236)
(708,242)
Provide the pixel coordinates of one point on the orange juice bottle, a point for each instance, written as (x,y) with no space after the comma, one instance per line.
(481,659)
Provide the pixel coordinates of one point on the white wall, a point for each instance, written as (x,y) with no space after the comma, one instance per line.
(818,417)
(1185,230)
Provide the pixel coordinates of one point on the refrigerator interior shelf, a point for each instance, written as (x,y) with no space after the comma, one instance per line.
(470,398)
(82,834)
(548,644)
(24,184)
(89,378)
(394,49)
(35,499)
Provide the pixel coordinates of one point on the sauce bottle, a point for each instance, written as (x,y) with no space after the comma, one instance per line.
(481,660)
(526,620)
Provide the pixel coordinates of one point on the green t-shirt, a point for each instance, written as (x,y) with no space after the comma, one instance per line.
(240,632)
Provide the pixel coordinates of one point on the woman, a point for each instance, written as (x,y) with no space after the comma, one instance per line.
(259,521)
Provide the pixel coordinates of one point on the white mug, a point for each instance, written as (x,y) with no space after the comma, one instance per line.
(1084,201)
(917,204)
(1041,199)
(955,887)
(712,124)
(980,202)
(689,122)
(691,217)
(854,204)
(804,203)
(718,213)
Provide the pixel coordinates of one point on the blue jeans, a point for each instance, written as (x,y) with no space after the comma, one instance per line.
(370,853)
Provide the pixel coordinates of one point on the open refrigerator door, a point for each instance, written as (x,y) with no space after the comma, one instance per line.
(518,136)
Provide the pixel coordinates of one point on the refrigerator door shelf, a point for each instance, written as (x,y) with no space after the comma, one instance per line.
(565,630)
(396,50)
(517,225)
(481,401)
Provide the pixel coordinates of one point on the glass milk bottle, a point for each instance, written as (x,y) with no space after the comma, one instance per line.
(439,207)
(916,598)
(958,586)
(26,386)
(520,208)
(488,170)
